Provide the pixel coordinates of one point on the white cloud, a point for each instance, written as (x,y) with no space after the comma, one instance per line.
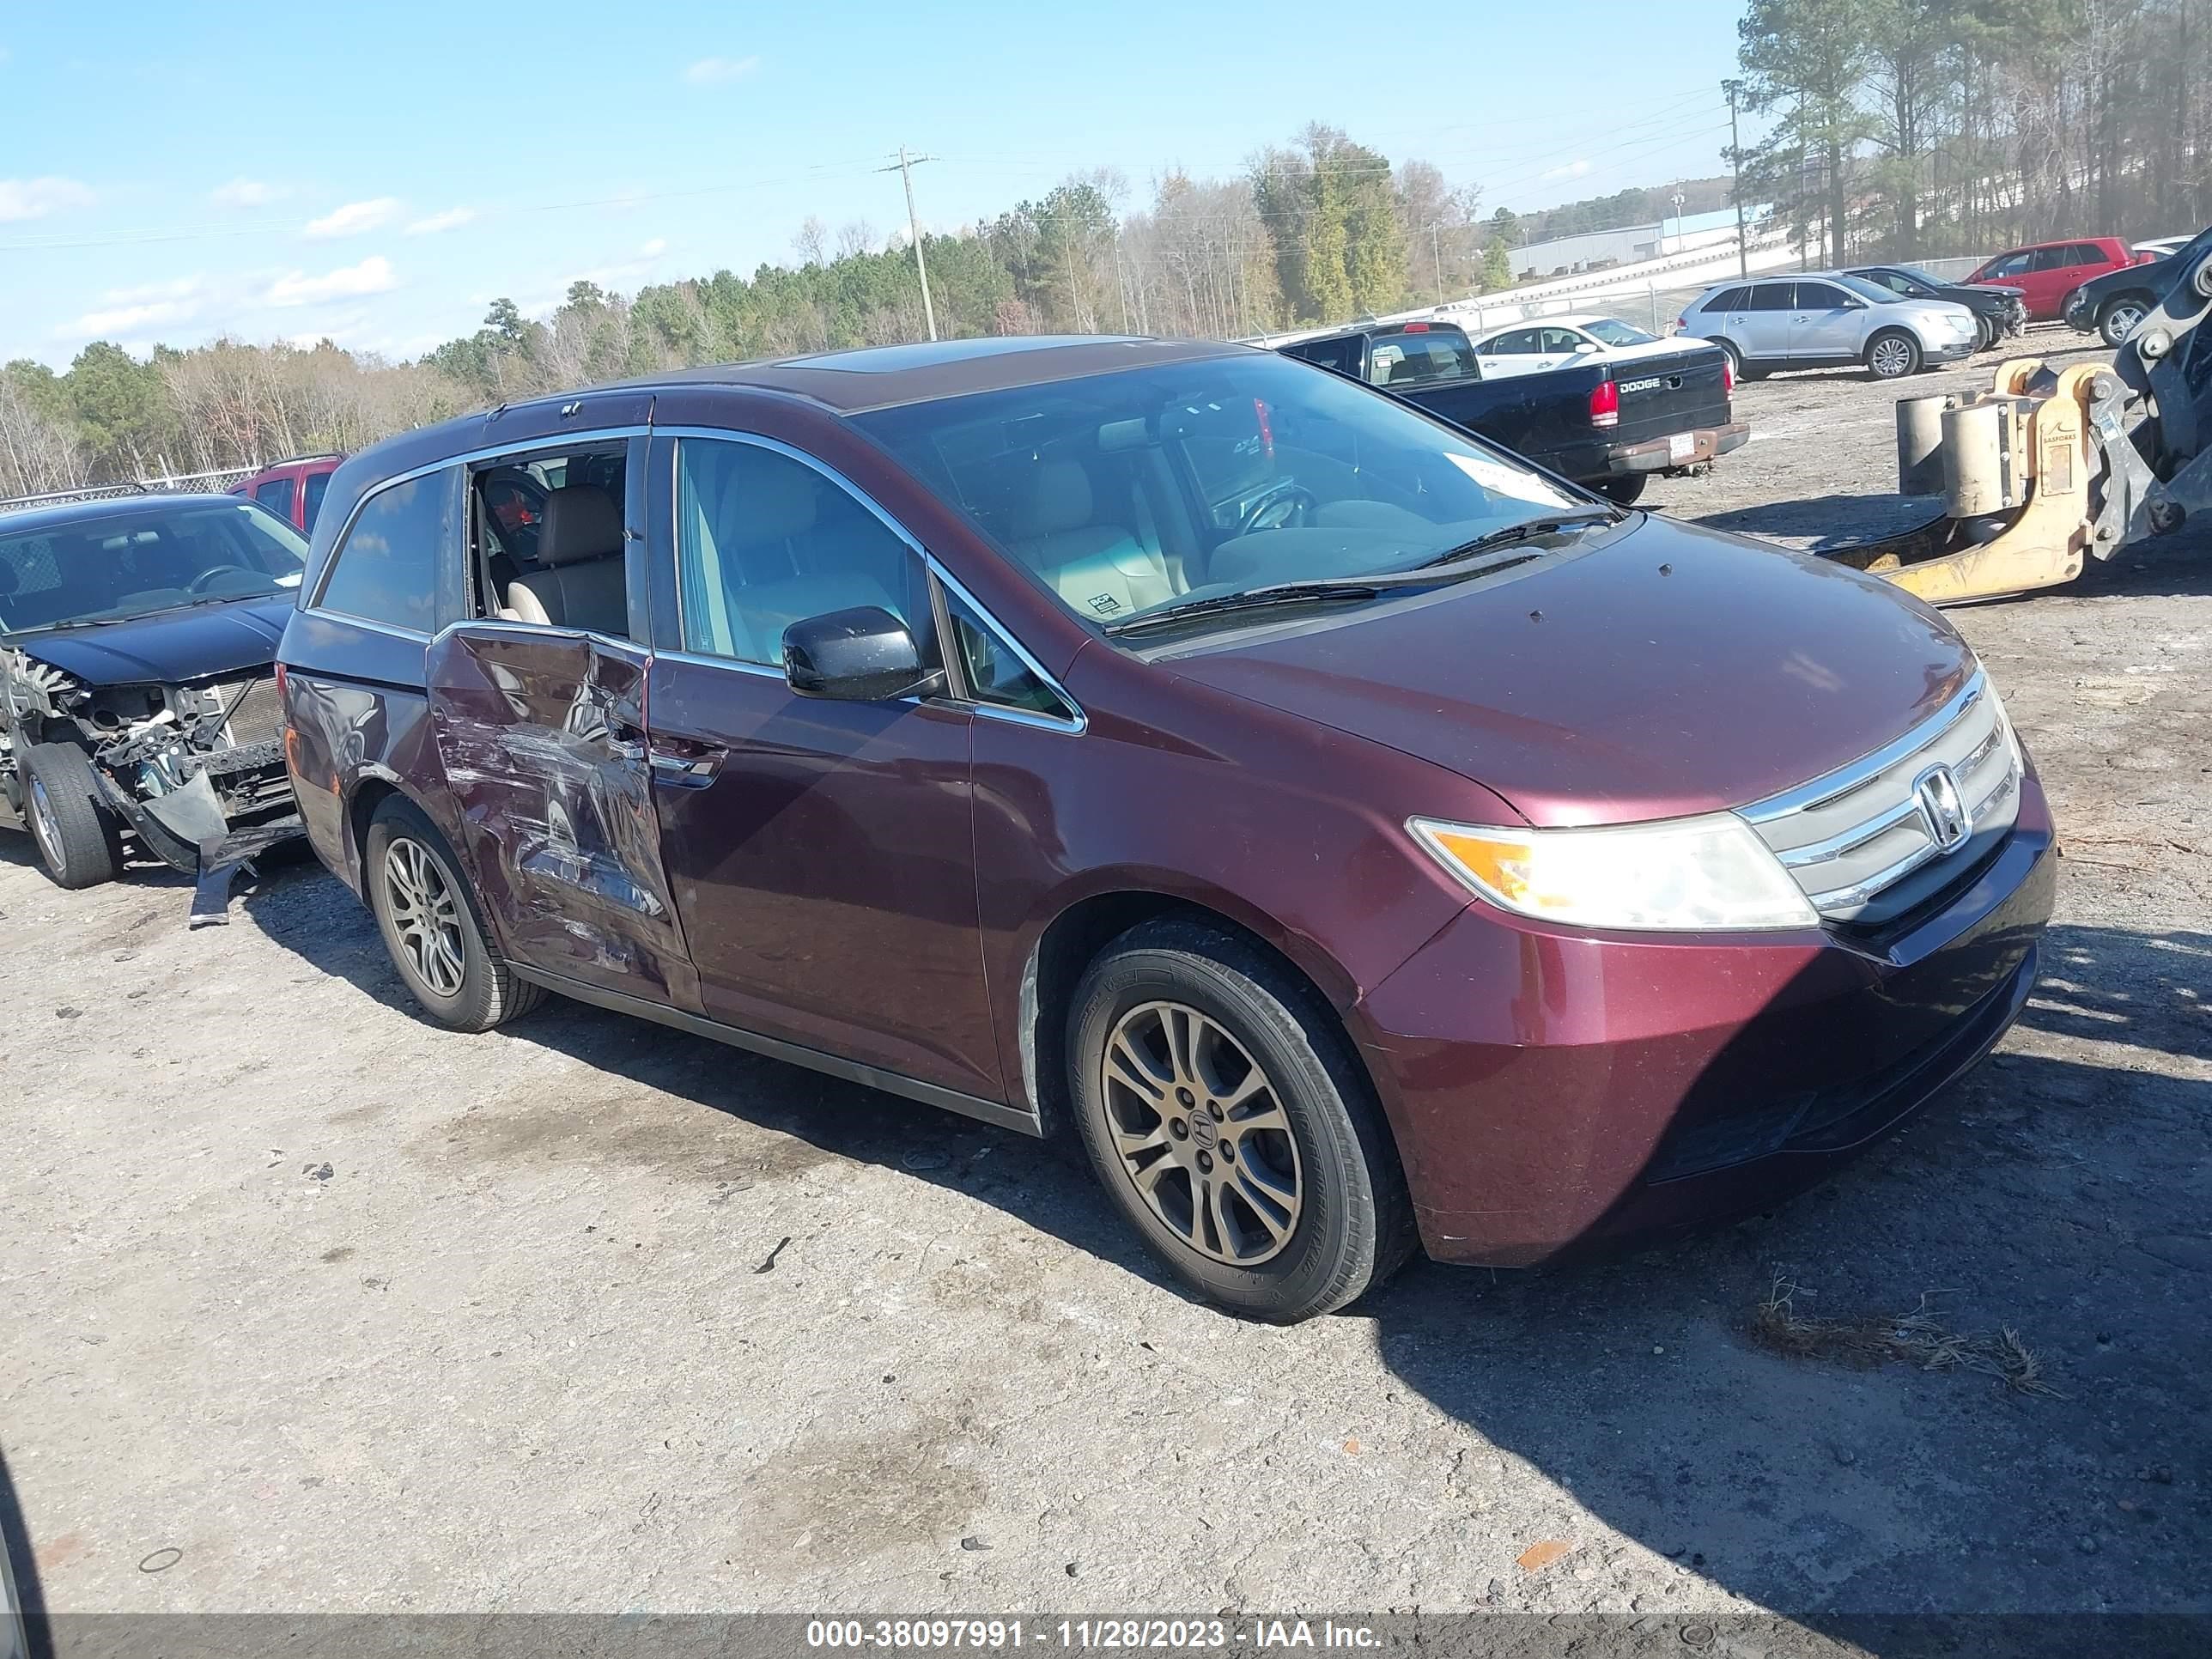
(34,199)
(117,319)
(654,249)
(244,192)
(1574,169)
(452,219)
(355,218)
(372,276)
(717,71)
(145,305)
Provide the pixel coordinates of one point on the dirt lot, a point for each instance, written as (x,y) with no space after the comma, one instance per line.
(351,1314)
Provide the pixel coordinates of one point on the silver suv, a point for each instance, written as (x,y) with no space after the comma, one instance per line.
(1823,318)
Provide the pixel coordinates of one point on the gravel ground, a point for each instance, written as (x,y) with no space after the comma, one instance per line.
(352,1313)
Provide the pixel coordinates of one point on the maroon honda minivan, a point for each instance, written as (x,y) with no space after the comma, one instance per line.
(1361,840)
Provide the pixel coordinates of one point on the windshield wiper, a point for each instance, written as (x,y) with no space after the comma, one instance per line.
(1305,592)
(1521,532)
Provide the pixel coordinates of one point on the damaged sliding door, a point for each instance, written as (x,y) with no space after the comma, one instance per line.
(541,732)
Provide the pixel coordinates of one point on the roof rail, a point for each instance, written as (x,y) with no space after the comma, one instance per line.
(317,455)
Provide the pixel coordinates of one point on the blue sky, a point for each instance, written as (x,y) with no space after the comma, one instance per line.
(169,172)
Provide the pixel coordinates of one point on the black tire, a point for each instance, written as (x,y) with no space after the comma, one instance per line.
(1884,364)
(1353,1226)
(1623,488)
(79,841)
(2121,316)
(1735,361)
(485,992)
(1985,334)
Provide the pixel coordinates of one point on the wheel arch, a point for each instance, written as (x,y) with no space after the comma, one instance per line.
(369,787)
(1084,926)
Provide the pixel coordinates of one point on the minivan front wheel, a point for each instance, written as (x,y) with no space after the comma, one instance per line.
(1227,1119)
(431,924)
(1892,354)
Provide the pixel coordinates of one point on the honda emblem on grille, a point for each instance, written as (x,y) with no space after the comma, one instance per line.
(1941,811)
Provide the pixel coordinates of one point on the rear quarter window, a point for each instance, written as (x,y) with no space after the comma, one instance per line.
(385,569)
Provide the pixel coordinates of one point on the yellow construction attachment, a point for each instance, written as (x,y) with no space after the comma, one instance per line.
(2021,468)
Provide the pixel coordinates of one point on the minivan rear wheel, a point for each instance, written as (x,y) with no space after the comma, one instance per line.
(1227,1118)
(432,926)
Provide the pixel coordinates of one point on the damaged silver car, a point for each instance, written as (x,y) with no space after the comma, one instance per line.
(139,708)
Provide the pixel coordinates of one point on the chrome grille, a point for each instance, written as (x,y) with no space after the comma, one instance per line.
(256,713)
(1873,839)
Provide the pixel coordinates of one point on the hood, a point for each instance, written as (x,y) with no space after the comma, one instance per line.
(169,646)
(2005,289)
(1660,670)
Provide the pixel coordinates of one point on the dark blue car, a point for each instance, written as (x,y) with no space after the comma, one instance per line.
(137,703)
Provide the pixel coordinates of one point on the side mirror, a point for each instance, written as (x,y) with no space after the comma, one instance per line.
(864,654)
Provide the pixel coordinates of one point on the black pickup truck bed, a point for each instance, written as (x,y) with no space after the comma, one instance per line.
(1608,424)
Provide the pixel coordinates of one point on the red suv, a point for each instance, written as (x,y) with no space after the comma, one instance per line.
(292,490)
(1359,838)
(2049,272)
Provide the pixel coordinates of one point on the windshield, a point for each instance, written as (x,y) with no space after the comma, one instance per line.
(129,563)
(1610,331)
(1133,491)
(1866,290)
(1920,276)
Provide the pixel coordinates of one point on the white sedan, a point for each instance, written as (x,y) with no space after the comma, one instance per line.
(1524,347)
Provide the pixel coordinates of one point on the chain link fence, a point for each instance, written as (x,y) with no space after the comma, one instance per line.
(212,482)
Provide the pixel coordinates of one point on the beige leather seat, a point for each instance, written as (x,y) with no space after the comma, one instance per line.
(1099,569)
(580,544)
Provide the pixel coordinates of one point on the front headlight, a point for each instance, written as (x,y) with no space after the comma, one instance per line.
(1677,875)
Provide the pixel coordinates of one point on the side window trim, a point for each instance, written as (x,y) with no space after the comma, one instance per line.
(1075,722)
(929,562)
(462,462)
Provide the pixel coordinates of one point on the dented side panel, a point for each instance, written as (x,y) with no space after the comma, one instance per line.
(540,736)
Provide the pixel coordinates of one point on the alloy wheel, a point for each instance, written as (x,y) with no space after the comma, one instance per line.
(44,829)
(1892,357)
(425,915)
(2123,320)
(1200,1133)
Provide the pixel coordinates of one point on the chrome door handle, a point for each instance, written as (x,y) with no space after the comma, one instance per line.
(692,771)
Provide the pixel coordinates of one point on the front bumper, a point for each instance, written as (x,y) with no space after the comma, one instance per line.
(1669,454)
(1553,1091)
(1951,352)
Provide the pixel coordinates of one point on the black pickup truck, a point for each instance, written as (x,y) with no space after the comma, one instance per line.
(1608,423)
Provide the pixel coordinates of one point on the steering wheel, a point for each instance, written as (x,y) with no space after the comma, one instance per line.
(1284,506)
(206,580)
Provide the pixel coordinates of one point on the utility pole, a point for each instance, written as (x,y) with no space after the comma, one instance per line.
(1435,252)
(1734,88)
(904,167)
(1678,222)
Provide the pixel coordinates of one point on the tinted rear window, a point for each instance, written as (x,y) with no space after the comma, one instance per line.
(1729,299)
(387,570)
(1771,296)
(1342,356)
